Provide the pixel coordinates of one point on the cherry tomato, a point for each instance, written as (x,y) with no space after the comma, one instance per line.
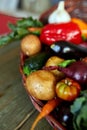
(68,89)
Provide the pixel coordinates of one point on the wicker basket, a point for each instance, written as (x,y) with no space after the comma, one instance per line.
(37,103)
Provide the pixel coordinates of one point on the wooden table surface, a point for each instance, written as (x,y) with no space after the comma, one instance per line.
(16,109)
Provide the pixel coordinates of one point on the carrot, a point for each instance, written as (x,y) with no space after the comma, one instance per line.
(35,29)
(47,108)
(82,25)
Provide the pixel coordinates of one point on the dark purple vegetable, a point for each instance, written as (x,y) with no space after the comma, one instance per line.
(68,50)
(64,116)
(84,44)
(77,71)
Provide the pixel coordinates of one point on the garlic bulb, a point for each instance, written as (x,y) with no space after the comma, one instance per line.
(60,15)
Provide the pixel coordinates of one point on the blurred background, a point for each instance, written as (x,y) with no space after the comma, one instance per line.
(24,8)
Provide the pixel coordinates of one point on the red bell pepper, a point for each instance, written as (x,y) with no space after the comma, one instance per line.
(65,31)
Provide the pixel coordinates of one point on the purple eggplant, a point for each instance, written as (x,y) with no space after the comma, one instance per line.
(69,50)
(83,44)
(77,71)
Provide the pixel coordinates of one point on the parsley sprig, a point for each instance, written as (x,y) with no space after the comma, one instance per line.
(19,30)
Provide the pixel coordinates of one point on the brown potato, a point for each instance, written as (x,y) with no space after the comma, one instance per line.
(30,45)
(41,84)
(54,61)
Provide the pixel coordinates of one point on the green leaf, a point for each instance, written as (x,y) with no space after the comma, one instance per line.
(84,93)
(12,26)
(22,31)
(29,22)
(82,118)
(77,105)
(6,39)
(79,111)
(26,70)
(66,62)
(19,30)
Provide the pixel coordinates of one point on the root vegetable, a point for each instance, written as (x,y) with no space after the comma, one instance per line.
(54,61)
(76,71)
(41,85)
(47,109)
(30,45)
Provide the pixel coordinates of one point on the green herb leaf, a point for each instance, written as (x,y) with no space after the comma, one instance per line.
(29,22)
(12,26)
(77,104)
(6,39)
(79,111)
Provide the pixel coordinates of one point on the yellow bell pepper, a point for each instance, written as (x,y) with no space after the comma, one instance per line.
(82,25)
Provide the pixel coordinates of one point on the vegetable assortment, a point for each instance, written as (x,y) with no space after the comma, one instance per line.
(60,64)
(55,66)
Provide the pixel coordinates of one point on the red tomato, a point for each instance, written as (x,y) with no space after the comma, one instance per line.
(68,89)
